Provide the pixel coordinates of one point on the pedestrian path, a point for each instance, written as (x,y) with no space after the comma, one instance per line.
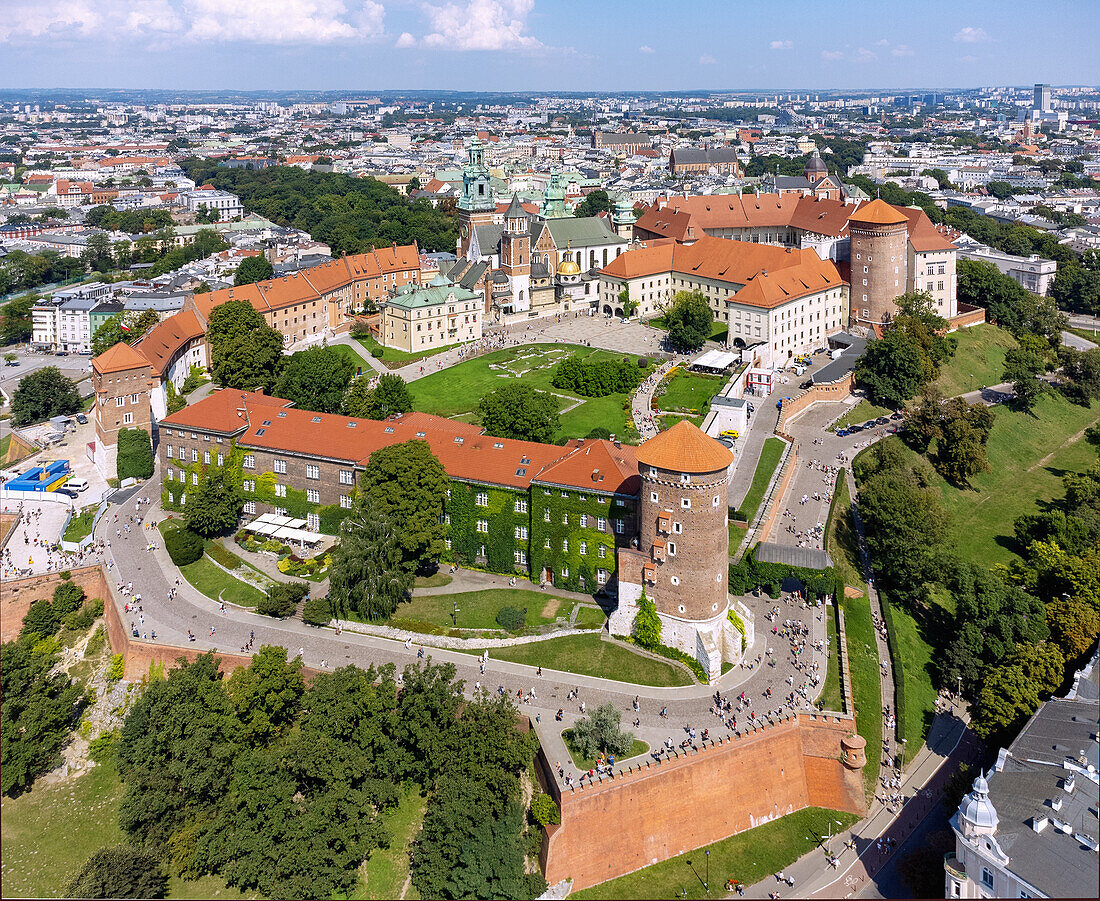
(641,404)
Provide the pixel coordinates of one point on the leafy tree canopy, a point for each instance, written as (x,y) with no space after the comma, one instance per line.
(42,394)
(518,411)
(688,319)
(253,269)
(315,379)
(245,352)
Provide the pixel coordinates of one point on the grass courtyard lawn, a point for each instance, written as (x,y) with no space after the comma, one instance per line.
(48,833)
(384,873)
(357,361)
(5,443)
(770,455)
(588,655)
(688,392)
(842,541)
(1028,455)
(478,609)
(913,643)
(866,680)
(978,360)
(217,584)
(456,391)
(589,763)
(435,580)
(80,526)
(860,413)
(392,358)
(831,696)
(589,617)
(747,857)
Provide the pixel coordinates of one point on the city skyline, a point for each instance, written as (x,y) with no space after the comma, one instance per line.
(532,45)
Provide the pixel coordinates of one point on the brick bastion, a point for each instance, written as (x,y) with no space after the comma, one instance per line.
(655,811)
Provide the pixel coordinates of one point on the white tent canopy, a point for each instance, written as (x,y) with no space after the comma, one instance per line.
(714,359)
(284,528)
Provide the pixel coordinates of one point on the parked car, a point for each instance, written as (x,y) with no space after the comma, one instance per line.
(67,492)
(842,433)
(897,416)
(729,433)
(12,363)
(869,424)
(882,420)
(62,353)
(81,418)
(852,429)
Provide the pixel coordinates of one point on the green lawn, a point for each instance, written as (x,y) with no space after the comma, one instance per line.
(588,655)
(978,360)
(392,358)
(1028,455)
(831,696)
(637,748)
(80,526)
(48,833)
(478,609)
(384,873)
(216,583)
(455,392)
(688,392)
(860,413)
(435,580)
(770,455)
(913,644)
(589,617)
(356,360)
(747,857)
(866,679)
(842,541)
(5,443)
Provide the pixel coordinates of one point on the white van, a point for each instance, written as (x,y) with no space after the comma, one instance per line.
(77,484)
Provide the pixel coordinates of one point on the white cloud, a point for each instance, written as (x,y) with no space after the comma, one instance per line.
(968,59)
(882,43)
(707,60)
(863,55)
(248,21)
(832,54)
(970,35)
(406,40)
(481,25)
(781,45)
(645,48)
(902,50)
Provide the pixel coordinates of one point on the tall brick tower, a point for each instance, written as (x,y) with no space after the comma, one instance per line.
(515,254)
(682,558)
(879,249)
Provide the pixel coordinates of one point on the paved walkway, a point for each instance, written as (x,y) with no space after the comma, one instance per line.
(641,404)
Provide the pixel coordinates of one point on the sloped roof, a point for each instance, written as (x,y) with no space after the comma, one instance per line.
(161,343)
(596,464)
(118,359)
(878,212)
(684,448)
(584,232)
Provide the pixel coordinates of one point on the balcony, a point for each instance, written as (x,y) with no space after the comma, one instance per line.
(952,865)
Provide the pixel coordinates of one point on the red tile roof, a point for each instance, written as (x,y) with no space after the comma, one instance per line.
(684,448)
(878,212)
(162,342)
(119,358)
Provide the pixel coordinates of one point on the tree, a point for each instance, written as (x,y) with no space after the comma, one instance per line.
(1013,691)
(135,455)
(391,396)
(960,449)
(267,693)
(647,624)
(183,546)
(689,320)
(1074,626)
(16,326)
(1023,365)
(120,871)
(368,574)
(1083,371)
(43,394)
(214,506)
(124,327)
(282,600)
(359,399)
(317,611)
(518,411)
(253,269)
(600,732)
(407,485)
(594,202)
(315,379)
(97,253)
(891,369)
(999,189)
(245,351)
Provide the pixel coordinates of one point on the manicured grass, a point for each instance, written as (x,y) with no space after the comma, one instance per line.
(392,358)
(356,360)
(589,763)
(589,617)
(688,392)
(478,609)
(860,413)
(435,580)
(5,443)
(1028,455)
(770,455)
(913,665)
(842,541)
(217,584)
(831,696)
(747,857)
(589,655)
(978,360)
(866,679)
(384,873)
(80,526)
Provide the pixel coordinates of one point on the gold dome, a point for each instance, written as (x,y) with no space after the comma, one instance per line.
(568,267)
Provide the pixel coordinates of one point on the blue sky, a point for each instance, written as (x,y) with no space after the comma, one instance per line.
(546,44)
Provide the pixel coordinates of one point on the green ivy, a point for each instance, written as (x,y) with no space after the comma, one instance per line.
(500,543)
(751,573)
(580,565)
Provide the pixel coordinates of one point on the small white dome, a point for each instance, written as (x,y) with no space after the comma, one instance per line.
(977,809)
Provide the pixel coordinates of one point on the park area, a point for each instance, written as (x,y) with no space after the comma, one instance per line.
(217,582)
(456,391)
(979,359)
(435,613)
(685,395)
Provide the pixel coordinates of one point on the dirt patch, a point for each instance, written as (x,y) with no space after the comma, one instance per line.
(850,592)
(551,608)
(1073,439)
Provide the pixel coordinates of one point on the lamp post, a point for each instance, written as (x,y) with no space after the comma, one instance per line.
(454,614)
(706,884)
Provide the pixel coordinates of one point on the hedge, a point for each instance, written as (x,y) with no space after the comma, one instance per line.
(751,573)
(183,546)
(896,665)
(283,599)
(135,454)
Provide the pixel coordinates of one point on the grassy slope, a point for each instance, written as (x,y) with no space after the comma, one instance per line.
(978,360)
(80,525)
(478,609)
(385,871)
(861,412)
(842,541)
(216,583)
(914,644)
(589,656)
(831,696)
(748,857)
(770,455)
(866,682)
(689,393)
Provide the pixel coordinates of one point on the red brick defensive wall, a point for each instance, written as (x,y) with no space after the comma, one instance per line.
(660,810)
(17,595)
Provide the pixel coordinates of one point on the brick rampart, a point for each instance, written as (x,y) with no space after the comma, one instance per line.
(658,811)
(967,316)
(17,595)
(832,393)
(779,493)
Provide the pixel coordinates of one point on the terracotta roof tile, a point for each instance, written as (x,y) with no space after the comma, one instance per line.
(160,343)
(878,212)
(118,359)
(684,448)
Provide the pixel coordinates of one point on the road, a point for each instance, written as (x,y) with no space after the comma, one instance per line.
(74,366)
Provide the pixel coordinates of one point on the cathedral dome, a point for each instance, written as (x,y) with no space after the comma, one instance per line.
(815,166)
(568,267)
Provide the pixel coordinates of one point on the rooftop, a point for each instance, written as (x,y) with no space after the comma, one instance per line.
(684,448)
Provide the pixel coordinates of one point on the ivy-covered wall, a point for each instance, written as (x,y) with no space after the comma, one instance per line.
(463,511)
(573,554)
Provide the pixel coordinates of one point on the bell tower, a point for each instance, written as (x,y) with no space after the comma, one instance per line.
(476,205)
(515,254)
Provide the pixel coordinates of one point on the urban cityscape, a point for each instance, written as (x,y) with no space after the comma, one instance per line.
(525,449)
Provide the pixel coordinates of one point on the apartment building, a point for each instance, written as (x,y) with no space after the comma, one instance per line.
(1034,273)
(227,205)
(64,320)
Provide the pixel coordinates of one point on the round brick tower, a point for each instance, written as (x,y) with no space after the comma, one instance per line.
(879,249)
(683,512)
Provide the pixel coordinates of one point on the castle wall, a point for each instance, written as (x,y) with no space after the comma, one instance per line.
(17,595)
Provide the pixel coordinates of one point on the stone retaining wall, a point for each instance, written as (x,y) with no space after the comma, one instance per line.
(17,595)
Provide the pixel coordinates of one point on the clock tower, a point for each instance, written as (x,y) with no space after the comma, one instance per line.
(476,205)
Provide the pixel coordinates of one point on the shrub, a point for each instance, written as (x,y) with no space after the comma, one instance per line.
(103,748)
(377,352)
(67,598)
(82,619)
(116,668)
(647,624)
(317,611)
(512,619)
(643,362)
(544,810)
(283,599)
(135,454)
(601,732)
(596,379)
(122,871)
(41,619)
(183,546)
(95,643)
(599,432)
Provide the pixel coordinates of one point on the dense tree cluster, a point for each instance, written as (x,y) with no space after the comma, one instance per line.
(594,202)
(280,788)
(597,378)
(16,321)
(253,269)
(389,396)
(315,379)
(123,327)
(1006,302)
(245,352)
(520,412)
(688,320)
(135,454)
(349,214)
(958,429)
(1076,288)
(601,732)
(42,394)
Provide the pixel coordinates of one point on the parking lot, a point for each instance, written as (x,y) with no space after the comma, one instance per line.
(74,366)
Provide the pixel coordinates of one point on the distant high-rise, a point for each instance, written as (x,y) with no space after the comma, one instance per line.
(1042,98)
